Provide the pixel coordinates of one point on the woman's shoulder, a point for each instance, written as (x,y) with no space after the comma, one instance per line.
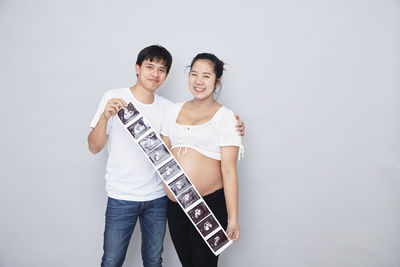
(225,113)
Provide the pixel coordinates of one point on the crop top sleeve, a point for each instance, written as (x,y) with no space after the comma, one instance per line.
(226,129)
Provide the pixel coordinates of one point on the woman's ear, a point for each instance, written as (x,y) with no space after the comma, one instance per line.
(218,82)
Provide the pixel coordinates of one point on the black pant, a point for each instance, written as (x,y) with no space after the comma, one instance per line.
(190,246)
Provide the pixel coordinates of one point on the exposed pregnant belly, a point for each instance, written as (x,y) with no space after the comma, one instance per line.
(204,172)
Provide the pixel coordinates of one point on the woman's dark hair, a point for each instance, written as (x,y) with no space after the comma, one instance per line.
(157,53)
(216,62)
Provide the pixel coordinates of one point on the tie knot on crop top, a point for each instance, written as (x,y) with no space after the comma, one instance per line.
(206,138)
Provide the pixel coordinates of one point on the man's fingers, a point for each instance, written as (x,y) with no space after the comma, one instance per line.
(120,102)
(240,130)
(117,101)
(111,111)
(239,125)
(116,106)
(124,103)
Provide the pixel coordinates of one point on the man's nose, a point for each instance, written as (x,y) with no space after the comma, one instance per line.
(155,73)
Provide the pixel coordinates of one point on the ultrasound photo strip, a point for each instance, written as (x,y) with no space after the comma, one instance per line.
(175,178)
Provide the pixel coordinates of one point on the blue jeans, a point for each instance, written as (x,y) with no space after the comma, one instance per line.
(121,218)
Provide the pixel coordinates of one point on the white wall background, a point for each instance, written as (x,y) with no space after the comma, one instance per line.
(317,83)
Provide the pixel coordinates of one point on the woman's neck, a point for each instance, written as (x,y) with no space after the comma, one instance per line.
(203,103)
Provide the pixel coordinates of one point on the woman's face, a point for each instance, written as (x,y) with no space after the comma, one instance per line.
(202,79)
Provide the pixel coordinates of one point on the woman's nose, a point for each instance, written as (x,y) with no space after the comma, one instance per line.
(198,81)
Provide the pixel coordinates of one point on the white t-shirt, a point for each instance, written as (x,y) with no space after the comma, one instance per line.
(206,138)
(129,174)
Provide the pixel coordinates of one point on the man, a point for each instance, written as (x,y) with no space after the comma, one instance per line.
(133,187)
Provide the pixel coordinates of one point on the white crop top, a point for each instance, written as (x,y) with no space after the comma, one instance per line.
(205,138)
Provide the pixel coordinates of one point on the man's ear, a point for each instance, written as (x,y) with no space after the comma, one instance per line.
(137,69)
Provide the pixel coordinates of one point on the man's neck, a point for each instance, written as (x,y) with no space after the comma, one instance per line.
(141,94)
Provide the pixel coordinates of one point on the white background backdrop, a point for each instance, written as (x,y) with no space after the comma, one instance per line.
(317,83)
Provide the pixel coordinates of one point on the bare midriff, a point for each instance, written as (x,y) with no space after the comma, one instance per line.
(204,172)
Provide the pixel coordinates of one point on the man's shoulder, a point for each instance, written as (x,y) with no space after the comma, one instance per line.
(116,92)
(164,102)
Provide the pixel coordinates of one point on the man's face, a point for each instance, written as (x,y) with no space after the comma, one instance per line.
(151,74)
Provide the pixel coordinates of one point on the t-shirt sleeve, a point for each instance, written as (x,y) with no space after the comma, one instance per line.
(100,110)
(226,128)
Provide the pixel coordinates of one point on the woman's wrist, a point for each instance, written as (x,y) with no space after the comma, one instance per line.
(233,219)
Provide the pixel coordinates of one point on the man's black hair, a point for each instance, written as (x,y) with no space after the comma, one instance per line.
(155,53)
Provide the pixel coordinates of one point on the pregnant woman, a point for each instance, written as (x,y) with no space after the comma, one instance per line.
(201,134)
